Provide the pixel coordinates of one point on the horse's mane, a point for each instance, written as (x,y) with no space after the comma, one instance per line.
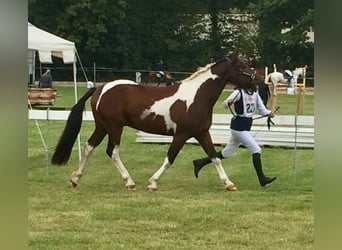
(199,71)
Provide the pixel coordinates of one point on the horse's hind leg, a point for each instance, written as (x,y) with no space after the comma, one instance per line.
(94,140)
(113,147)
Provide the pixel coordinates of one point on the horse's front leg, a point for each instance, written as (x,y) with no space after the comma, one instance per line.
(175,147)
(155,177)
(205,140)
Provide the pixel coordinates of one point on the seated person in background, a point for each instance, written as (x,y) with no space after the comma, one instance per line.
(45,80)
(160,69)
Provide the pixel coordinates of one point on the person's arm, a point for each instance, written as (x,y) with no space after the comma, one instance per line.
(262,109)
(233,97)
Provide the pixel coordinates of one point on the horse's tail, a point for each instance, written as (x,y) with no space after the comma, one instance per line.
(72,128)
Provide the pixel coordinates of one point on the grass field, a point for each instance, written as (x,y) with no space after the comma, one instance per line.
(185,213)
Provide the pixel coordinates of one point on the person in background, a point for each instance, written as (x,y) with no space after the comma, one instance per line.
(160,69)
(45,80)
(288,75)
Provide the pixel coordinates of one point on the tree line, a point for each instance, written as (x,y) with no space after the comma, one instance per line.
(134,34)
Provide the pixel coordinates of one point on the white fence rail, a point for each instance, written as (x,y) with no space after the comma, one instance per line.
(61,115)
(283,133)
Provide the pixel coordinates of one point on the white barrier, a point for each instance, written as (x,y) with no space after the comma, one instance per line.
(283,133)
(61,115)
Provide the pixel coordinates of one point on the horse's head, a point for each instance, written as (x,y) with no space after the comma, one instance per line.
(238,73)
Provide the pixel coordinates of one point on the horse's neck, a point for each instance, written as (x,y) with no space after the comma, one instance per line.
(298,71)
(211,88)
(205,81)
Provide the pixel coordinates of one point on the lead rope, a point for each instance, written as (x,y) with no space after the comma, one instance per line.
(231,111)
(269,121)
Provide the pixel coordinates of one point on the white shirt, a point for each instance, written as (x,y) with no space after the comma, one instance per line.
(251,103)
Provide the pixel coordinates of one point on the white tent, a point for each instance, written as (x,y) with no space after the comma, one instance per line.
(48,45)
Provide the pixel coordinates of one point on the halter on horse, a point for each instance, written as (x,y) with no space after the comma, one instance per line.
(182,111)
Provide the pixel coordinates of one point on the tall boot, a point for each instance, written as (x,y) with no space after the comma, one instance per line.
(263,180)
(200,163)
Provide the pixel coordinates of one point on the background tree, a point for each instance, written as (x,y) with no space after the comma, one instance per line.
(132,34)
(282,32)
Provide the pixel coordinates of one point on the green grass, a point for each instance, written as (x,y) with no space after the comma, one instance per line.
(185,213)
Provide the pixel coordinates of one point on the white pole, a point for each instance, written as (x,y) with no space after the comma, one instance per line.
(34,68)
(304,77)
(294,168)
(76,99)
(266,73)
(94,65)
(138,77)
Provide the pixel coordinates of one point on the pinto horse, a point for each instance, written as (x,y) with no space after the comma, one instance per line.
(158,77)
(182,111)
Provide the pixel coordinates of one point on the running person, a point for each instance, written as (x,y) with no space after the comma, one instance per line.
(246,102)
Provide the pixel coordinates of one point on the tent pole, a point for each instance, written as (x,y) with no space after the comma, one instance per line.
(94,73)
(34,68)
(76,98)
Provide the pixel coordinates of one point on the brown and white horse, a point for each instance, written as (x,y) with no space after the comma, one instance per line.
(183,111)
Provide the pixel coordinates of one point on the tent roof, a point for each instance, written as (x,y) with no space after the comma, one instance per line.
(48,44)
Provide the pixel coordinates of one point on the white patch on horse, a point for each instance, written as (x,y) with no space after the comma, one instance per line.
(110,85)
(186,92)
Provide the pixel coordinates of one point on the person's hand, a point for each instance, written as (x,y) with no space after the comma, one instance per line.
(271,114)
(225,104)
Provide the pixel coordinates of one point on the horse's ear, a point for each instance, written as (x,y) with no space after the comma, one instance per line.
(234,57)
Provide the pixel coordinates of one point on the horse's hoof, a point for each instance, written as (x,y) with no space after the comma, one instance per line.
(131,187)
(73,184)
(231,187)
(152,189)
